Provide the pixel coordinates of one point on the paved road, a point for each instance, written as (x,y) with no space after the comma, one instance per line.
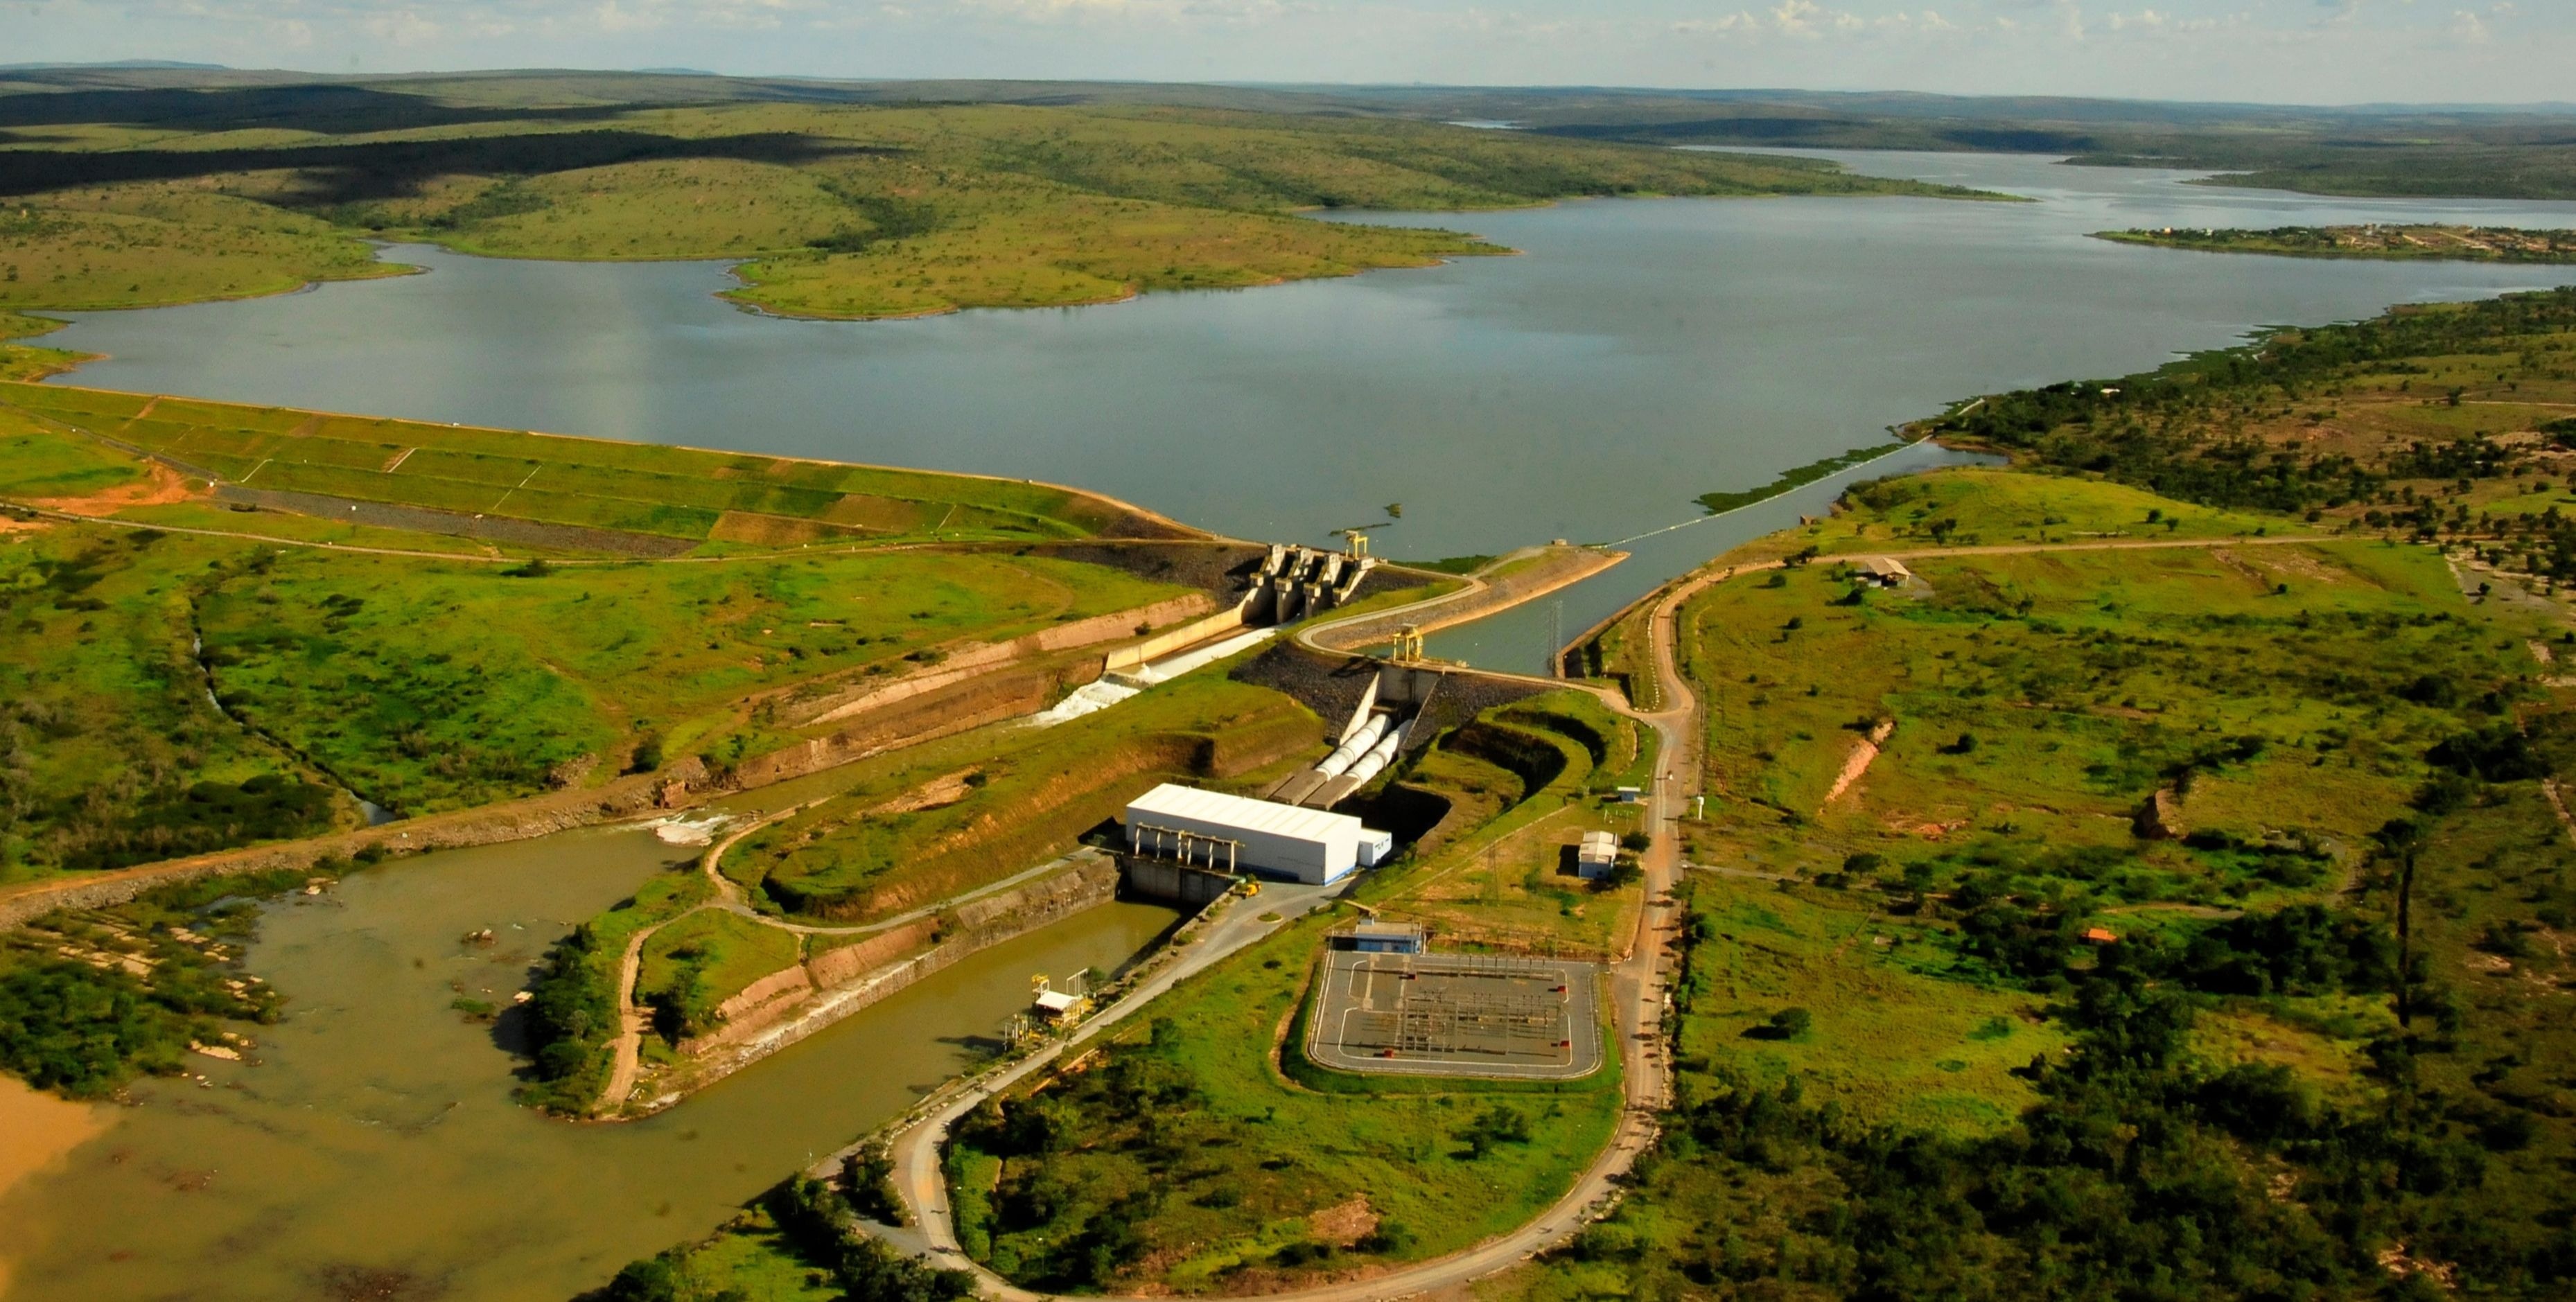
(1638,993)
(1638,986)
(1235,924)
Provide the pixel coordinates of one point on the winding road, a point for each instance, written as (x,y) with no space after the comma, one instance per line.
(1639,986)
(1638,998)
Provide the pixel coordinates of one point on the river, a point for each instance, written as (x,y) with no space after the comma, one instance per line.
(372,1150)
(1642,352)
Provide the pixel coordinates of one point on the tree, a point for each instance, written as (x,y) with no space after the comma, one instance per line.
(648,1280)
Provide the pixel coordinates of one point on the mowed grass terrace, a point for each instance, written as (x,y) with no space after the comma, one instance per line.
(420,683)
(659,491)
(431,685)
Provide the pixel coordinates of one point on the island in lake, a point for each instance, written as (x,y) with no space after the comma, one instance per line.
(2457,243)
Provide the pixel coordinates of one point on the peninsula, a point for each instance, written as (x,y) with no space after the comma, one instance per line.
(831,205)
(2447,243)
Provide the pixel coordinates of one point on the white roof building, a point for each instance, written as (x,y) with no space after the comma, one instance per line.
(1598,854)
(1237,833)
(1884,570)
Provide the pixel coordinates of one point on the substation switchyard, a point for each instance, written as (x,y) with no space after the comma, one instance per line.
(1422,1014)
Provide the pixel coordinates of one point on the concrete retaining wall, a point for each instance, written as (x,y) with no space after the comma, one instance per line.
(1177,883)
(1190,634)
(970,661)
(981,924)
(971,704)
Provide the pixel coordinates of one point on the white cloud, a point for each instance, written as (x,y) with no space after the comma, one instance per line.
(403,27)
(2312,50)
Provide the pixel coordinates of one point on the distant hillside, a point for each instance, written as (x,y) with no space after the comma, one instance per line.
(132,187)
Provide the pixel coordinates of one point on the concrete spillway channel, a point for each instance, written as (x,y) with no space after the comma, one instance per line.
(1112,688)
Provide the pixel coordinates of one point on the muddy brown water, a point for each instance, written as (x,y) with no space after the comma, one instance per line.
(371,1148)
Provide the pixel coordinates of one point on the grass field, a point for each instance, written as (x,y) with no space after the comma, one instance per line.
(1890,1044)
(2284,694)
(648,489)
(2409,422)
(1955,508)
(1524,784)
(950,819)
(2311,710)
(145,245)
(427,685)
(417,683)
(27,362)
(1183,1158)
(110,751)
(37,462)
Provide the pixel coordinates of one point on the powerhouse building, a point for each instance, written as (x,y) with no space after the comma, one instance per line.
(1240,834)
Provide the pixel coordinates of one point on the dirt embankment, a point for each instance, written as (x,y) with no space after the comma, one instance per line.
(1863,753)
(800,1001)
(977,660)
(160,486)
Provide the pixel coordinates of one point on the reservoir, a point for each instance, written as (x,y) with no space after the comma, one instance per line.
(1641,353)
(373,1150)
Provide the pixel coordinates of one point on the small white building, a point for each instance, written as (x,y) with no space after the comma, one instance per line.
(1375,937)
(1240,834)
(1375,846)
(1598,854)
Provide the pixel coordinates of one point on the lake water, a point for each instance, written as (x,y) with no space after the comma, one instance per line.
(1641,353)
(373,1150)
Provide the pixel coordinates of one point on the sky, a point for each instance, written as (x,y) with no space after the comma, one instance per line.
(2275,51)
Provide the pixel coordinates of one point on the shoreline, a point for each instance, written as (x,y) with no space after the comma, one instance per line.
(1191,532)
(38,1131)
